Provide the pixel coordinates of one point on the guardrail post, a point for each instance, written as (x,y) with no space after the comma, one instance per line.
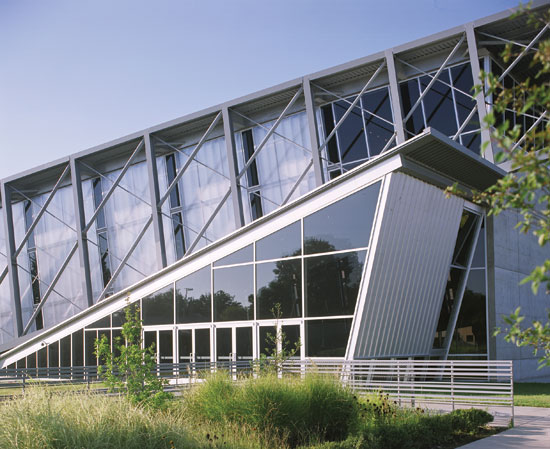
(399,382)
(512,391)
(452,385)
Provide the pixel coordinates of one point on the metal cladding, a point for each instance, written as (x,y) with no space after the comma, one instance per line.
(408,268)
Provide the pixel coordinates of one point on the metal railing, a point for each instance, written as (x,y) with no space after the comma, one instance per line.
(473,383)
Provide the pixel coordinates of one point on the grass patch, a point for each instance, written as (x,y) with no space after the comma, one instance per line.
(267,412)
(532,394)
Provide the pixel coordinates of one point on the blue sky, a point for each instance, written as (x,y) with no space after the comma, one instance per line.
(78,73)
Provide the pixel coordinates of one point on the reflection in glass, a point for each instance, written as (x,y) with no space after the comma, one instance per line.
(202,345)
(185,345)
(119,317)
(42,357)
(193,299)
(327,338)
(78,348)
(345,224)
(291,341)
(449,299)
(158,308)
(53,354)
(117,341)
(351,133)
(234,293)
(244,343)
(332,283)
(438,104)
(150,340)
(478,260)
(242,255)
(91,359)
(283,243)
(224,344)
(268,336)
(165,347)
(409,95)
(470,335)
(102,322)
(464,238)
(65,349)
(279,283)
(379,132)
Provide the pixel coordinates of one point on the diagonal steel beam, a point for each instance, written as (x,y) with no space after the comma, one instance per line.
(270,132)
(209,221)
(518,43)
(42,210)
(115,184)
(126,257)
(50,288)
(191,158)
(525,50)
(519,142)
(434,78)
(4,273)
(353,104)
(298,182)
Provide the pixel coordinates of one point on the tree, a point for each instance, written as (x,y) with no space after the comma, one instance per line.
(525,146)
(132,371)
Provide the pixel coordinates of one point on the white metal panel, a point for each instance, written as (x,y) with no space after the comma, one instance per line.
(402,296)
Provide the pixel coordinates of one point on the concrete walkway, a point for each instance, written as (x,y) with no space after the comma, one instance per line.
(531,431)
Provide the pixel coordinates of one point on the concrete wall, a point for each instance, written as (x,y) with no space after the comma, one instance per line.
(511,257)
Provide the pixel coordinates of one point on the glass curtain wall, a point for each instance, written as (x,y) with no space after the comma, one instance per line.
(364,133)
(6,319)
(445,106)
(278,166)
(470,334)
(198,193)
(305,276)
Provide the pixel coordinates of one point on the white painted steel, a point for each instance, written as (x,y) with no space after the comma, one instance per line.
(407,271)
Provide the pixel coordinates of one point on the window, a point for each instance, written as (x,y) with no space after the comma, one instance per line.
(256,209)
(175,208)
(279,283)
(102,238)
(158,308)
(234,293)
(33,264)
(193,298)
(285,242)
(445,106)
(327,338)
(345,224)
(362,135)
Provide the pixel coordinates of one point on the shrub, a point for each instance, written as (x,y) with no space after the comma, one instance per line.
(294,409)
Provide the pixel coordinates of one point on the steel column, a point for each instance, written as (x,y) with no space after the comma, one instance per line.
(480,97)
(313,132)
(233,168)
(12,259)
(395,98)
(156,206)
(81,235)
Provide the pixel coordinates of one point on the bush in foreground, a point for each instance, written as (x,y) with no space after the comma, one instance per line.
(297,410)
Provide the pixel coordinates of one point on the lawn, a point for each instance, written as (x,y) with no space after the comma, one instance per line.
(532,394)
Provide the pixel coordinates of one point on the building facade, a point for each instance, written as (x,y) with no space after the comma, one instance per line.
(323,196)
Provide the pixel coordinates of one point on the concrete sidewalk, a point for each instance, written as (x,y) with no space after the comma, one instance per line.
(531,431)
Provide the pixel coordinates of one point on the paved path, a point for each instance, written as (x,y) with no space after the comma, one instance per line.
(531,431)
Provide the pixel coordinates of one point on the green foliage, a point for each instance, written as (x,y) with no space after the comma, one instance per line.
(413,430)
(294,409)
(42,420)
(532,394)
(526,188)
(281,349)
(131,372)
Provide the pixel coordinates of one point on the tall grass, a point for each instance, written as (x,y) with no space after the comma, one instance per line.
(295,410)
(41,420)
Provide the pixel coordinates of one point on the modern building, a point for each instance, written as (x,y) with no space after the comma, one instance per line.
(323,195)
